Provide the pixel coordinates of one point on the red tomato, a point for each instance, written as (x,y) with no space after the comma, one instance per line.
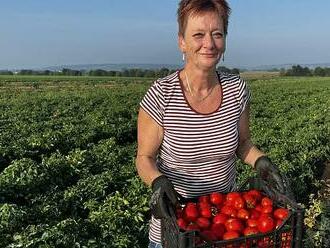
(181,223)
(230,235)
(250,231)
(254,214)
(205,212)
(216,198)
(250,200)
(204,205)
(231,196)
(243,214)
(229,210)
(281,213)
(256,193)
(233,224)
(267,209)
(218,230)
(203,222)
(192,226)
(265,224)
(220,218)
(204,198)
(252,223)
(191,212)
(190,204)
(258,208)
(239,203)
(266,201)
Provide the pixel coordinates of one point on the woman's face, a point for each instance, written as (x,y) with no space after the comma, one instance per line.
(204,40)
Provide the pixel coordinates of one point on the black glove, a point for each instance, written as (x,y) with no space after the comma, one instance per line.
(163,197)
(269,172)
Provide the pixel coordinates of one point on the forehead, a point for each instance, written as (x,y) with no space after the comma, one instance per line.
(204,20)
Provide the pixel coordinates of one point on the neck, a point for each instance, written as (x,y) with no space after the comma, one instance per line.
(200,79)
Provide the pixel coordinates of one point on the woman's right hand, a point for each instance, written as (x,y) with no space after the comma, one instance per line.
(163,197)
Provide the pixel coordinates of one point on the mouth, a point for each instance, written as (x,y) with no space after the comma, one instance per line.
(209,55)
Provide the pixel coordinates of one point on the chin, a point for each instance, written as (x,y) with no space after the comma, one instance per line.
(209,64)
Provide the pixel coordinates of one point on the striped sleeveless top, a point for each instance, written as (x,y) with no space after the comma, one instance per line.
(197,153)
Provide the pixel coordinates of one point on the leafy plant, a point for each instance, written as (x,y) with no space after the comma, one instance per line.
(317,218)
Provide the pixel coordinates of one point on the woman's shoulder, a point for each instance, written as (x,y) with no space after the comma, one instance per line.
(173,77)
(229,78)
(168,83)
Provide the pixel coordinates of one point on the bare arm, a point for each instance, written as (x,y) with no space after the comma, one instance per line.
(150,136)
(246,150)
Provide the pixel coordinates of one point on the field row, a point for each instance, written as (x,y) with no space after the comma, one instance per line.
(67,173)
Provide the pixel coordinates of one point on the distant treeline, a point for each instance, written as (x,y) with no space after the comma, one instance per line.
(98,72)
(296,70)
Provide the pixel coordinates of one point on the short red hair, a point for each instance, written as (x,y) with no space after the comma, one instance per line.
(195,7)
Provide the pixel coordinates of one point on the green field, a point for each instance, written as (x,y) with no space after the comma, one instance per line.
(67,148)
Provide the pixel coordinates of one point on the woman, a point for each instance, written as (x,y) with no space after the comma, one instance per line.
(193,123)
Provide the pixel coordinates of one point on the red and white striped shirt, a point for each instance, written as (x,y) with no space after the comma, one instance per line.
(197,153)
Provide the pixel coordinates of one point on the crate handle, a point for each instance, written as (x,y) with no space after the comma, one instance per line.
(206,239)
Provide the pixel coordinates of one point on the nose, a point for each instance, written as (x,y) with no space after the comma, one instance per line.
(208,41)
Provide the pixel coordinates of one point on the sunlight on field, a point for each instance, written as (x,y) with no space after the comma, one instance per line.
(259,75)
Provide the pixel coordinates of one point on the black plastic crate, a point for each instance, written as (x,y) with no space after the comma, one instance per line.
(288,234)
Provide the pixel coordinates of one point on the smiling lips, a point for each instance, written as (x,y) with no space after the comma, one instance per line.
(209,55)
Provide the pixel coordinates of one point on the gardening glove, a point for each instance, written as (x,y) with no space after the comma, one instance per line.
(269,172)
(163,197)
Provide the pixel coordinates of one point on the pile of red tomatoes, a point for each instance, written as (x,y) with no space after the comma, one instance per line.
(220,216)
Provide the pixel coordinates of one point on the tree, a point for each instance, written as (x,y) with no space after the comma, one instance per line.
(112,73)
(223,69)
(98,72)
(46,72)
(6,73)
(327,72)
(125,73)
(25,72)
(227,70)
(298,70)
(149,73)
(235,71)
(319,72)
(140,73)
(163,72)
(69,72)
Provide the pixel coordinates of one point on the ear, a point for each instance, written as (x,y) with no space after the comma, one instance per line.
(181,43)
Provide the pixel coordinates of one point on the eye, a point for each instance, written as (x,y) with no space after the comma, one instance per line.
(217,35)
(198,35)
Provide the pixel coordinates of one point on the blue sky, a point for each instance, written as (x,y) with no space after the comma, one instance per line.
(36,33)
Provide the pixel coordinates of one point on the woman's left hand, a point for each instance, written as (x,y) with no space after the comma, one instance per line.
(270,173)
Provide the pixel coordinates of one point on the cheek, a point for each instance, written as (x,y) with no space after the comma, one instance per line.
(220,45)
(194,46)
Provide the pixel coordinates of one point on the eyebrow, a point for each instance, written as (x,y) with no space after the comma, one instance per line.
(202,30)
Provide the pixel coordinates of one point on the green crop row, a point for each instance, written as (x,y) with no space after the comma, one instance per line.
(67,173)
